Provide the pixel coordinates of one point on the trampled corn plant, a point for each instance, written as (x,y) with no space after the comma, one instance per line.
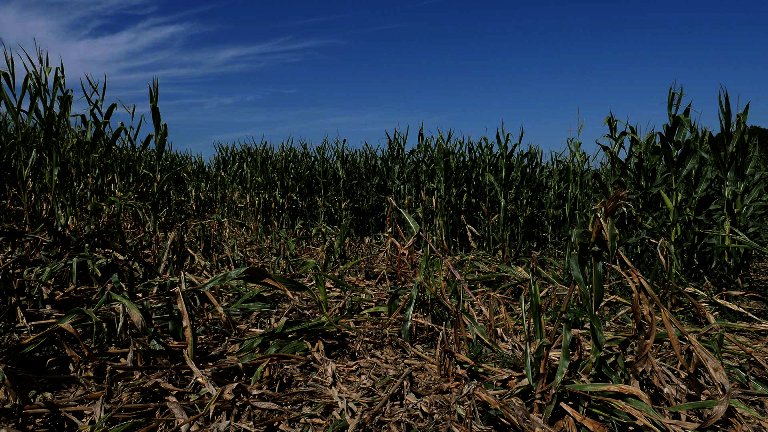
(536,342)
(582,309)
(435,291)
(622,381)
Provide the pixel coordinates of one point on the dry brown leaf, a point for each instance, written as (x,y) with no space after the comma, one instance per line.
(182,419)
(267,406)
(673,340)
(186,324)
(590,424)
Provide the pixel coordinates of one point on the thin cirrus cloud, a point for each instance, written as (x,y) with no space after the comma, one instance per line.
(147,45)
(132,41)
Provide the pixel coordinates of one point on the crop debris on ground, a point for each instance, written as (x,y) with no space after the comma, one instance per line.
(446,284)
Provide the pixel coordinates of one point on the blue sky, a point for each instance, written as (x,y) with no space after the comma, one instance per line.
(232,70)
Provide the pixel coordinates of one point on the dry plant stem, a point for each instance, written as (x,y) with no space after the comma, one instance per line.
(369,416)
(458,277)
(513,411)
(164,262)
(749,351)
(590,424)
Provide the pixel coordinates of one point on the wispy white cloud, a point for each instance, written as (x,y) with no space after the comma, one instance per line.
(204,101)
(132,41)
(90,38)
(313,20)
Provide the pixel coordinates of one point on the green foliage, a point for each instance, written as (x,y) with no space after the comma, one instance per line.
(692,195)
(96,211)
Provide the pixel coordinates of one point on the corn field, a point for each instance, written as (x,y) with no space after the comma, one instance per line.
(433,283)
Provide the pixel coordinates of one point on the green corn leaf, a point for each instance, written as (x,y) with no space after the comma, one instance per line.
(322,294)
(645,407)
(610,388)
(376,309)
(565,355)
(667,202)
(528,360)
(705,404)
(576,272)
(405,329)
(536,313)
(412,224)
(736,403)
(134,313)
